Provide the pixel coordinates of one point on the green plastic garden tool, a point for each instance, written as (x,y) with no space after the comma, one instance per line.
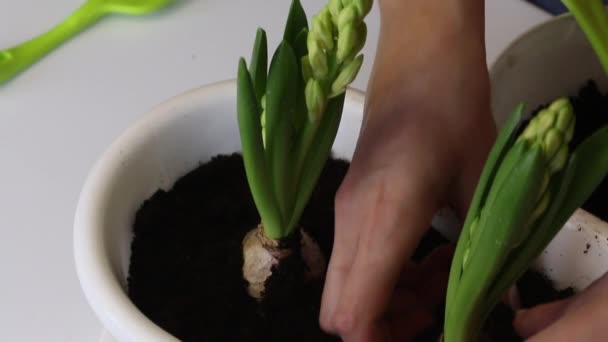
(20,57)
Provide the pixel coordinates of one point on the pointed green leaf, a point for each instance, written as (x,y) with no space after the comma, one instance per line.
(501,147)
(248,114)
(259,64)
(590,163)
(317,157)
(541,233)
(281,103)
(299,44)
(296,22)
(592,17)
(587,167)
(511,199)
(504,141)
(281,91)
(300,50)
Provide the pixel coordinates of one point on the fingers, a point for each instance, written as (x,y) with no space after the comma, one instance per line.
(582,317)
(407,327)
(409,277)
(440,259)
(375,233)
(382,209)
(570,328)
(429,280)
(529,322)
(402,302)
(343,254)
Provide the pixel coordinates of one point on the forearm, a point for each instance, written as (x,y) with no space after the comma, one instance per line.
(430,87)
(430,48)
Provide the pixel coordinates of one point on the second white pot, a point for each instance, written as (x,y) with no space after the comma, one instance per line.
(552,60)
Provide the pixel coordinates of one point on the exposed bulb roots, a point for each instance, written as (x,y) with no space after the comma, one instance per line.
(261,254)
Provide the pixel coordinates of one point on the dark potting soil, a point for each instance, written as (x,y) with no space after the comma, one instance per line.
(533,290)
(591,108)
(185,268)
(185,271)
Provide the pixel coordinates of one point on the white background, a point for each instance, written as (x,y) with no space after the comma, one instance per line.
(58,116)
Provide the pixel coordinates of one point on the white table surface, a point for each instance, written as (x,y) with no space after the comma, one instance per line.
(57,117)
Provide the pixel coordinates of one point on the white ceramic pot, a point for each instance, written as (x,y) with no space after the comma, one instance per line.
(165,144)
(552,60)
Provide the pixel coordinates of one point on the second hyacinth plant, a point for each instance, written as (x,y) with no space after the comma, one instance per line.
(531,184)
(288,115)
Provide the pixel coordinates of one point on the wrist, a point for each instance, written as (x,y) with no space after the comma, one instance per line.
(433,16)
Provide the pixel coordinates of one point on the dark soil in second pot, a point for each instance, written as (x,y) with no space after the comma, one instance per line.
(591,110)
(185,269)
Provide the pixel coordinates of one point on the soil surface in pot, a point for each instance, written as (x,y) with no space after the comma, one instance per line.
(185,269)
(591,110)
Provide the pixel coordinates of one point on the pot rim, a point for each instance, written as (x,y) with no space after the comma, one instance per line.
(557,20)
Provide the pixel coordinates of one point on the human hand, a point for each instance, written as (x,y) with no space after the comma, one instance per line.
(420,290)
(580,318)
(426,133)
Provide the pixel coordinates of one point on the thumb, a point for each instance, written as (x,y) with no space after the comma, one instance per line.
(580,318)
(528,322)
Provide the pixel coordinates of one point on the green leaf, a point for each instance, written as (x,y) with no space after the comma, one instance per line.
(592,17)
(296,22)
(504,181)
(511,199)
(281,103)
(317,157)
(299,44)
(590,163)
(541,233)
(586,169)
(504,141)
(259,64)
(300,50)
(248,115)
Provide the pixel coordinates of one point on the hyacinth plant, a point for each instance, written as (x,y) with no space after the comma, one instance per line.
(530,186)
(288,117)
